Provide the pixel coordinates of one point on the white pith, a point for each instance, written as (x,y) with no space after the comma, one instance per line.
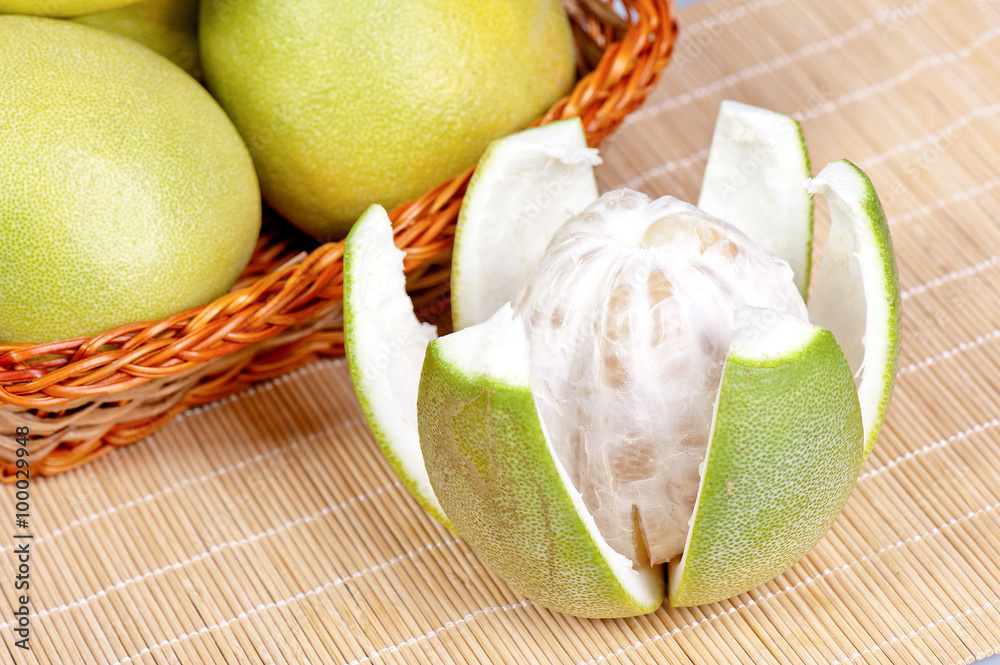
(386,344)
(753,179)
(524,187)
(498,349)
(629,316)
(850,297)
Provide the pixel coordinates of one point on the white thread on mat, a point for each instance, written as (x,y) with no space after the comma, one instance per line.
(762,68)
(827,107)
(729,16)
(915,633)
(260,457)
(447,626)
(941,443)
(957,197)
(285,601)
(944,355)
(932,137)
(302,519)
(792,587)
(934,60)
(951,276)
(263,386)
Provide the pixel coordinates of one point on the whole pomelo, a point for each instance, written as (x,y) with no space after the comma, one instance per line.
(344,103)
(59,8)
(125,192)
(169,27)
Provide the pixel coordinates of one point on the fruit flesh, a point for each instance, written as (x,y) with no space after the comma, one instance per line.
(629,317)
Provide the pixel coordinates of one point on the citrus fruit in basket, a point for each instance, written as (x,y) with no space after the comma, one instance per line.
(169,27)
(60,8)
(656,393)
(345,104)
(126,193)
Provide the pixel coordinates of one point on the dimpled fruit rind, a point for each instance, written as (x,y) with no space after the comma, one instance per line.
(500,484)
(169,27)
(126,194)
(59,8)
(786,448)
(347,103)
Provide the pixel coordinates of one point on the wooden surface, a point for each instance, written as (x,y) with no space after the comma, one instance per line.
(268,528)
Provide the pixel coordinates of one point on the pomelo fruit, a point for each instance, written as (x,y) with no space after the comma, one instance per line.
(658,393)
(344,104)
(125,192)
(59,8)
(169,27)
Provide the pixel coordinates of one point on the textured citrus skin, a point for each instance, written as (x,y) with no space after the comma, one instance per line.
(59,8)
(786,449)
(496,480)
(125,192)
(344,104)
(169,27)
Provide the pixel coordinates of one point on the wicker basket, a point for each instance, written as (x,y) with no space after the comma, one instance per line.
(81,398)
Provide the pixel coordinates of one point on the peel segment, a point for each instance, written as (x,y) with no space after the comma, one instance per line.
(856,295)
(525,186)
(753,180)
(502,485)
(385,343)
(784,455)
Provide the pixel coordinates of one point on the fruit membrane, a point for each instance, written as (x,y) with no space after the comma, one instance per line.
(629,317)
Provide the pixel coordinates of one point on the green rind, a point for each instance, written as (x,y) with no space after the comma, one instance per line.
(870,209)
(354,364)
(495,477)
(784,456)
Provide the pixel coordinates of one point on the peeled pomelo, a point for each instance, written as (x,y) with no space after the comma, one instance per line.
(629,316)
(59,8)
(169,27)
(676,404)
(126,193)
(346,104)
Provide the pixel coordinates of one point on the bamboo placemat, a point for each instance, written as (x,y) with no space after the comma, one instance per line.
(268,529)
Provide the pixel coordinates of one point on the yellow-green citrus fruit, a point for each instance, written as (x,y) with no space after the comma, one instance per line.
(59,8)
(169,27)
(344,104)
(125,192)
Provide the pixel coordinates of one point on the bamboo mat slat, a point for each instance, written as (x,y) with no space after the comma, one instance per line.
(267,528)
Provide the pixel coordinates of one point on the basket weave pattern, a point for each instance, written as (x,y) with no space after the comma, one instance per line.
(81,398)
